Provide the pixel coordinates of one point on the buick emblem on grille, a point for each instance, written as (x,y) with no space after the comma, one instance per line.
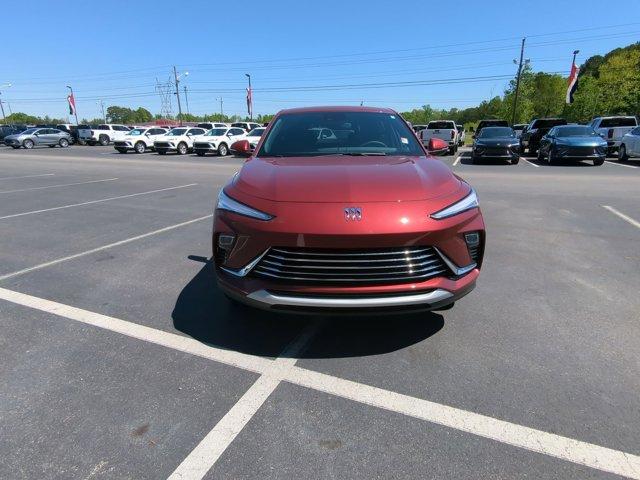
(353,213)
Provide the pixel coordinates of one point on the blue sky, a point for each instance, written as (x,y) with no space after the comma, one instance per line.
(298,53)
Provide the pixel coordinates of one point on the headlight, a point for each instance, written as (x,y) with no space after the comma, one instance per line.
(229,204)
(467,203)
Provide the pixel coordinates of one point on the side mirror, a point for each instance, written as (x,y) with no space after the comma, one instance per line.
(242,148)
(437,146)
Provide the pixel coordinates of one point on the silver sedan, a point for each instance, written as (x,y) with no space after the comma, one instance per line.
(32,137)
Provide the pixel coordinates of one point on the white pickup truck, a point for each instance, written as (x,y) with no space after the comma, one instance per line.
(103,134)
(178,139)
(442,129)
(612,129)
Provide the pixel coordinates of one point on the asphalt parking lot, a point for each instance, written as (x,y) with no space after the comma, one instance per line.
(119,358)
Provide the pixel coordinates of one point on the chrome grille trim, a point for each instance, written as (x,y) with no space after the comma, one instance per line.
(390,265)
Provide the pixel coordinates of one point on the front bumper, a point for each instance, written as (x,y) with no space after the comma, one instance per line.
(292,229)
(497,153)
(204,148)
(580,153)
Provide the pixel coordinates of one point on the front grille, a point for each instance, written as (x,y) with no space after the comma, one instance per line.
(163,144)
(356,267)
(120,144)
(202,146)
(579,151)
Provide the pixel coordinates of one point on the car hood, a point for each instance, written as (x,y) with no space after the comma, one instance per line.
(345,179)
(581,141)
(497,142)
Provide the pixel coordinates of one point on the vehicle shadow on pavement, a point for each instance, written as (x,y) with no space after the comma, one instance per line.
(205,314)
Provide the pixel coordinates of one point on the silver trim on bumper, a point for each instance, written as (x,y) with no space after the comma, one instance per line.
(454,268)
(267,298)
(242,272)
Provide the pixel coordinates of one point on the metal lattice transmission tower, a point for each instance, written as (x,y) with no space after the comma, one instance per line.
(165,90)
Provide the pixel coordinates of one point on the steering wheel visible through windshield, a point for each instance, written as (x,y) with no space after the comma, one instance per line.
(312,134)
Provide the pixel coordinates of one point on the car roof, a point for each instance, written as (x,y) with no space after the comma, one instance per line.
(337,109)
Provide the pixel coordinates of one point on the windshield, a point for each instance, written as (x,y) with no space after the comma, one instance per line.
(576,132)
(548,123)
(29,131)
(216,132)
(176,132)
(256,132)
(497,132)
(333,133)
(440,125)
(136,132)
(618,122)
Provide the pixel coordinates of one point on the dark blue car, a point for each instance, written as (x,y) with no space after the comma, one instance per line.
(572,143)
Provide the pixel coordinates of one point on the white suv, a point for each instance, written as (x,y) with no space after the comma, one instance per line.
(103,134)
(178,139)
(139,139)
(218,140)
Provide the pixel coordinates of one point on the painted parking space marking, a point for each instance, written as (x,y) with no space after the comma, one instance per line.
(58,186)
(568,449)
(104,247)
(618,164)
(96,201)
(530,162)
(28,176)
(457,161)
(196,465)
(626,218)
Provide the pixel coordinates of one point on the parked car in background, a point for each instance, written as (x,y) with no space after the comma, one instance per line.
(573,143)
(210,125)
(444,130)
(32,137)
(218,140)
(254,137)
(418,128)
(384,227)
(179,140)
(6,130)
(103,134)
(139,139)
(630,145)
(498,143)
(492,122)
(612,129)
(248,126)
(70,129)
(462,136)
(519,128)
(538,128)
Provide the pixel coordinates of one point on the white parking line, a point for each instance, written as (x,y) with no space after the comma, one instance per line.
(196,465)
(626,218)
(104,247)
(58,186)
(28,176)
(571,450)
(96,201)
(530,163)
(457,161)
(617,164)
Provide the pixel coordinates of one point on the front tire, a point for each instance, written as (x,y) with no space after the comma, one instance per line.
(223,150)
(551,159)
(598,162)
(121,150)
(200,154)
(622,153)
(474,159)
(452,150)
(515,161)
(182,148)
(64,143)
(140,147)
(162,152)
(28,144)
(103,140)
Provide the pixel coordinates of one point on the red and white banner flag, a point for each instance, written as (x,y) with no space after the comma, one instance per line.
(573,82)
(72,104)
(249,102)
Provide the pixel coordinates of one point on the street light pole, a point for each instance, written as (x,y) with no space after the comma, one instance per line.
(515,98)
(186,98)
(4,119)
(75,109)
(250,98)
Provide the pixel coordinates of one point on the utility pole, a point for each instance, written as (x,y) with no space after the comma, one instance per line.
(186,99)
(221,114)
(104,117)
(515,98)
(4,119)
(175,76)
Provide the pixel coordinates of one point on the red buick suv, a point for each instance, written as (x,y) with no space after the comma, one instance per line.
(341,209)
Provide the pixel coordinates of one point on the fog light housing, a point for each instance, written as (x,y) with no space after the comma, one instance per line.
(473,240)
(224,246)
